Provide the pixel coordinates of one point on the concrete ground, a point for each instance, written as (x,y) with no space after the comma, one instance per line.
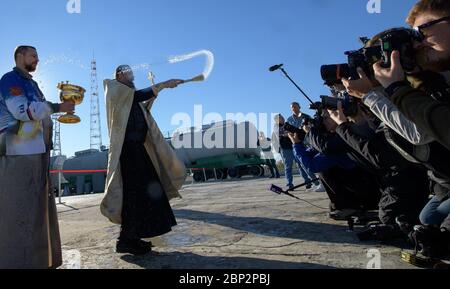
(226,225)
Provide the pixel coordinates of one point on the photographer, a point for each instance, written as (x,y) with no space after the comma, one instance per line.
(404,186)
(297,119)
(348,192)
(439,207)
(374,97)
(283,145)
(428,106)
(432,114)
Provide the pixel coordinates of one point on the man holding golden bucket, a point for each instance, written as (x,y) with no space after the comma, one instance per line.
(28,218)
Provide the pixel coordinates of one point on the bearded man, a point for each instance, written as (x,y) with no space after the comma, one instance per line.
(29,233)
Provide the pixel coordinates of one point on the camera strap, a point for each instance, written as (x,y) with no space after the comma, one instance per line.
(401,145)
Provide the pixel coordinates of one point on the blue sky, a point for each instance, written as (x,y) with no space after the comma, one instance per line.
(246,37)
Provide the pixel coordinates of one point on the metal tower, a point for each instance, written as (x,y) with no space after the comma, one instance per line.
(56,136)
(96,132)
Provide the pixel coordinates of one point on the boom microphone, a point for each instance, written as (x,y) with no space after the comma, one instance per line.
(275,67)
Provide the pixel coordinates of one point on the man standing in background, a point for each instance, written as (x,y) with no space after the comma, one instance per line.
(297,119)
(283,145)
(267,155)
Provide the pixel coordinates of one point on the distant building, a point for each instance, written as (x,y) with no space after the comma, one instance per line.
(95,163)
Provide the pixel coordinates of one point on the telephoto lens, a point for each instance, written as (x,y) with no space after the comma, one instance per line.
(332,74)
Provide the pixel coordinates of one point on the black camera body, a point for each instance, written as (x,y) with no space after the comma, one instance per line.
(400,39)
(349,104)
(292,129)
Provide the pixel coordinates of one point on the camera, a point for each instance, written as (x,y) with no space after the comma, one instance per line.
(349,104)
(332,74)
(292,129)
(380,232)
(295,130)
(400,39)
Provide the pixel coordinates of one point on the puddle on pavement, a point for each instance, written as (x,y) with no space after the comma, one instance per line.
(179,238)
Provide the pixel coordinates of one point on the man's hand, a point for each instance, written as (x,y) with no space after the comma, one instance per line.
(294,138)
(359,87)
(172,83)
(388,76)
(307,128)
(338,115)
(166,84)
(67,106)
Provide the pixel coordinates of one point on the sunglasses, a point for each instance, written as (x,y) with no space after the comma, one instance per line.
(419,29)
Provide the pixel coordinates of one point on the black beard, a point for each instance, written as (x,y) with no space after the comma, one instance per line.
(30,68)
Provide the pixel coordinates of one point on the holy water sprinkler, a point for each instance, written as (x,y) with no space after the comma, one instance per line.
(198,78)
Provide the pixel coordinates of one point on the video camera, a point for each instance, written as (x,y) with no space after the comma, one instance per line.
(400,39)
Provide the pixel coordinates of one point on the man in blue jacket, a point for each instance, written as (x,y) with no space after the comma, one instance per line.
(314,161)
(29,236)
(297,119)
(338,173)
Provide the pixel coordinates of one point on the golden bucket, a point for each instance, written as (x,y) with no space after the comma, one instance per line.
(72,93)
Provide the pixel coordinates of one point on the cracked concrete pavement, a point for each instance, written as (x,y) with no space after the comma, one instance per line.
(225,225)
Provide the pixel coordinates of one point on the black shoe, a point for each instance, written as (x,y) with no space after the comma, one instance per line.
(134,247)
(380,232)
(342,215)
(431,242)
(290,188)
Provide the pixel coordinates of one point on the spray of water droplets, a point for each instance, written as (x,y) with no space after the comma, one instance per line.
(209,65)
(209,60)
